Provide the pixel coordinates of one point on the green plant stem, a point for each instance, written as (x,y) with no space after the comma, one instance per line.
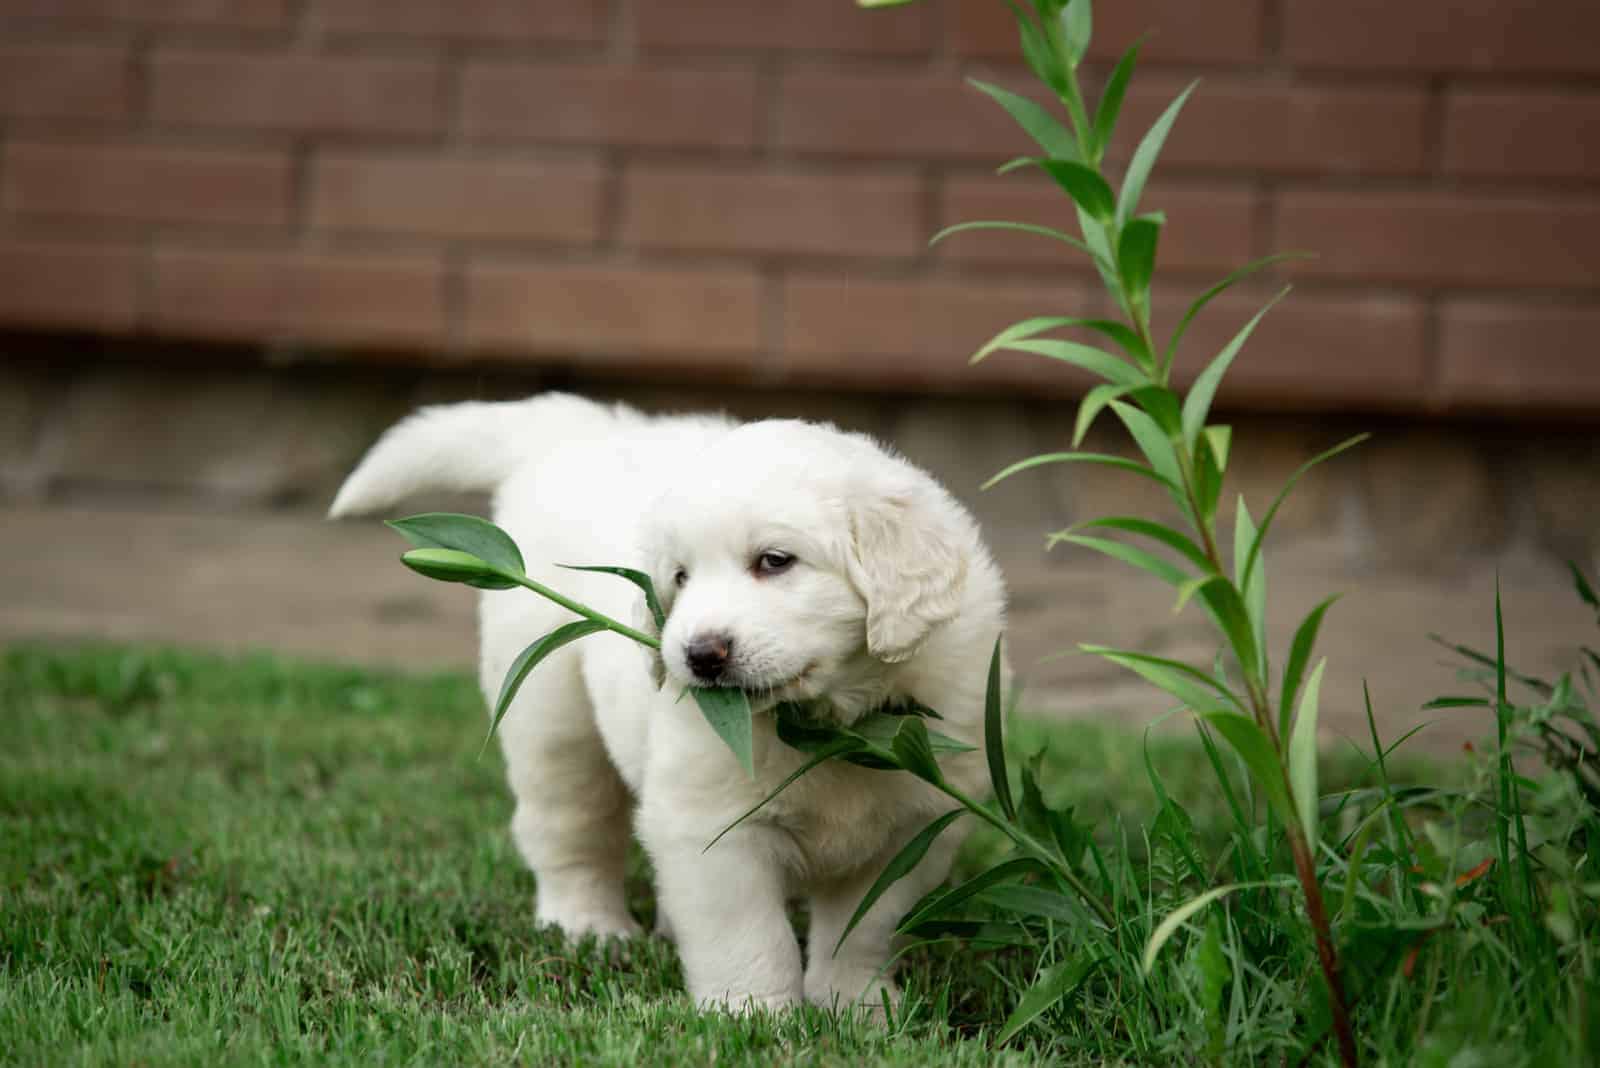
(1101,910)
(582,609)
(1299,847)
(1082,128)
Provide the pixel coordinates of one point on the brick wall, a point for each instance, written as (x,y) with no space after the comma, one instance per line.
(743,188)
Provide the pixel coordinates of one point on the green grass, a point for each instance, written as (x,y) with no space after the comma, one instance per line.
(208,860)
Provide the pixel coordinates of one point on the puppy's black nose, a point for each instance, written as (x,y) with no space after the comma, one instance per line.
(708,655)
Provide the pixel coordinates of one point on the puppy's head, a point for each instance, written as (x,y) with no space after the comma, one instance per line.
(797,560)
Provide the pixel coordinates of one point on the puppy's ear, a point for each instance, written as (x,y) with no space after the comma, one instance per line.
(906,558)
(642,620)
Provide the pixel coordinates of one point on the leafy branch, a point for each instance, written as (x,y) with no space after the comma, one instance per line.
(1181,448)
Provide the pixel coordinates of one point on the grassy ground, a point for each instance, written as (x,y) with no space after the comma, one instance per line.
(208,860)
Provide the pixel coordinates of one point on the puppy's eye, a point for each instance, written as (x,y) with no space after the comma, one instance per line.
(679,577)
(773,562)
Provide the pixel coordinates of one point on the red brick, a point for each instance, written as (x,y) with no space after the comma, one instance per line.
(1444,238)
(1554,36)
(41,81)
(616,315)
(1241,125)
(1501,354)
(1496,133)
(1312,350)
(144,184)
(1181,31)
(322,94)
(908,116)
(457,198)
(230,14)
(745,210)
(789,25)
(591,104)
(343,299)
(74,286)
(910,335)
(577,21)
(1208,229)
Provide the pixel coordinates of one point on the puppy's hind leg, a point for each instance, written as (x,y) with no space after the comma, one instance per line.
(573,811)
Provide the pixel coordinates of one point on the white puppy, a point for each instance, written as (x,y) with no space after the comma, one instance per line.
(793,560)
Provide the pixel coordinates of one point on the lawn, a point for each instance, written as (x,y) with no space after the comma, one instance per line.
(232,860)
(207,860)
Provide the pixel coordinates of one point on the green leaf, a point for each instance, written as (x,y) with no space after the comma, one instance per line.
(1456,702)
(1220,438)
(914,752)
(530,658)
(1019,227)
(728,711)
(898,868)
(1094,402)
(1585,591)
(1197,405)
(1036,902)
(1039,124)
(1205,298)
(1119,462)
(466,533)
(1128,554)
(1161,404)
(994,736)
(1095,234)
(1040,57)
(1105,116)
(1136,257)
(1027,328)
(1303,756)
(1228,609)
(1154,442)
(1283,494)
(1305,639)
(1252,583)
(1084,185)
(1077,22)
(1053,987)
(1144,157)
(839,747)
(1086,357)
(1253,747)
(638,578)
(1172,539)
(1211,962)
(453,565)
(877,732)
(942,903)
(1179,916)
(1197,690)
(1209,473)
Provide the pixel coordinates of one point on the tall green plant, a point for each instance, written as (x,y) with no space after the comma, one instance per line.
(1056,874)
(1184,451)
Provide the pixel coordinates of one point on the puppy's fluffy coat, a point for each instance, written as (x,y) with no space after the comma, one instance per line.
(818,567)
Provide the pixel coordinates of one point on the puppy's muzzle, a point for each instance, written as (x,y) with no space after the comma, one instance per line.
(708,655)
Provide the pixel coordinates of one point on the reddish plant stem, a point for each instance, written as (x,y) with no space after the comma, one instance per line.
(1304,863)
(1317,913)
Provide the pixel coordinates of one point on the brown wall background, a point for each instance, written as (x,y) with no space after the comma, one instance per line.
(744,188)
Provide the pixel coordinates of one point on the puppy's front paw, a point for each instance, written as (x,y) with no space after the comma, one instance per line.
(579,922)
(748,1004)
(847,989)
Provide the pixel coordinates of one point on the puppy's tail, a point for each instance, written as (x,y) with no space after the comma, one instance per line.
(467,447)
